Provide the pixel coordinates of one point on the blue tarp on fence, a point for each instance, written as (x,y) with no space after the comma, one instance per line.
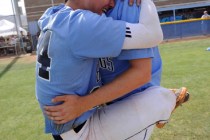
(186,29)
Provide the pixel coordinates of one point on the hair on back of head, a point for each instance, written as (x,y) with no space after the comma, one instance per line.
(66,1)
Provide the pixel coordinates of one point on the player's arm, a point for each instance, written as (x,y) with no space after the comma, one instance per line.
(73,106)
(137,75)
(112,36)
(148,32)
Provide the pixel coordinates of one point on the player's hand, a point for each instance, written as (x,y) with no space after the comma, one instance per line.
(131,2)
(70,109)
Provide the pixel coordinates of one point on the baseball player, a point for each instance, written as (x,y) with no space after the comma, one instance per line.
(110,68)
(67,49)
(110,121)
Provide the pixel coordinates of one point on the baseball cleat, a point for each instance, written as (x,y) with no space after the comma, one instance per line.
(182,96)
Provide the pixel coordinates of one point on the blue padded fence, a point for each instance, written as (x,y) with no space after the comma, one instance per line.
(187,28)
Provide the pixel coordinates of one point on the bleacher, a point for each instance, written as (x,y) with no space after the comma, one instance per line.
(174,10)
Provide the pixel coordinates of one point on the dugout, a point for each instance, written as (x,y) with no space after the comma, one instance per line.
(176,12)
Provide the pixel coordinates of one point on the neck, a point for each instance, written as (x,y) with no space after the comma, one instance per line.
(75,4)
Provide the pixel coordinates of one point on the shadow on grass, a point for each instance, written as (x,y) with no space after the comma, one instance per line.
(9,66)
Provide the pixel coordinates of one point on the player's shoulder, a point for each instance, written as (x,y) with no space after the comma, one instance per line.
(87,21)
(85,17)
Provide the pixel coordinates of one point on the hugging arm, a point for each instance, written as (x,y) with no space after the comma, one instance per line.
(147,33)
(73,106)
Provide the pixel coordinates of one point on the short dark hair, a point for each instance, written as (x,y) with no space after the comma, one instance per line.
(66,1)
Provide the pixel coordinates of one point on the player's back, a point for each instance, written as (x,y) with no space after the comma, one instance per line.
(67,56)
(59,70)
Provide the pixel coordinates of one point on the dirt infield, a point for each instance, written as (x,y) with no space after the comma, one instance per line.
(24,58)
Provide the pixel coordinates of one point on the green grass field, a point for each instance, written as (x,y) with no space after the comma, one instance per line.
(185,63)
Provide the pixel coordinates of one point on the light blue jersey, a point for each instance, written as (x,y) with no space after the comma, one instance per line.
(68,48)
(112,67)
